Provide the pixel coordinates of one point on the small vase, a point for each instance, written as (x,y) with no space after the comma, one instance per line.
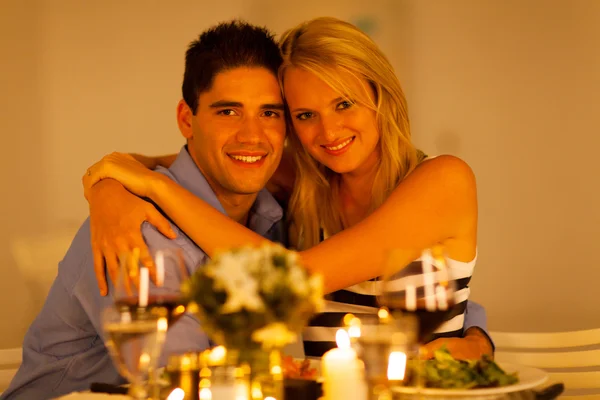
(263,370)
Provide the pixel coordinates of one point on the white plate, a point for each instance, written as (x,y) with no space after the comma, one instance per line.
(529,378)
(93,396)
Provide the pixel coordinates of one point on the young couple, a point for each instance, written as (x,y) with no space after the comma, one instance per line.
(347,173)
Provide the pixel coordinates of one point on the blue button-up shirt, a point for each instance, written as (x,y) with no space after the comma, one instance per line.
(63,350)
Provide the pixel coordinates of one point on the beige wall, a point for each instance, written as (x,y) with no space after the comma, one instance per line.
(514,88)
(510,86)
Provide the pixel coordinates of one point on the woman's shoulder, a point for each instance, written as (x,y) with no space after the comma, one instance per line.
(443,160)
(443,169)
(447,184)
(443,192)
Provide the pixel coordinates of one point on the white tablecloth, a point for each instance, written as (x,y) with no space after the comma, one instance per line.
(93,396)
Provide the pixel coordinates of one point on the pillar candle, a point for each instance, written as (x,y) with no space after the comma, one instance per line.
(343,372)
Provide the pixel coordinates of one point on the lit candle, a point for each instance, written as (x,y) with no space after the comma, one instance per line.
(217,355)
(396,366)
(176,394)
(343,371)
(144,285)
(160,268)
(440,294)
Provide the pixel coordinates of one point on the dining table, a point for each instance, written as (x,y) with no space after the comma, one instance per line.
(533,385)
(548,392)
(525,395)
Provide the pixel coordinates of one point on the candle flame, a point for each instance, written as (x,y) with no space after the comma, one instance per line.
(179,309)
(342,339)
(276,370)
(163,324)
(204,383)
(204,394)
(396,366)
(176,394)
(354,331)
(348,319)
(217,355)
(383,313)
(353,325)
(256,391)
(160,268)
(144,358)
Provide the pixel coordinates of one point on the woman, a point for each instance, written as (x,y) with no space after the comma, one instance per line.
(356,179)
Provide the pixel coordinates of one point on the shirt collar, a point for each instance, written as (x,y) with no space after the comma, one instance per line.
(188,175)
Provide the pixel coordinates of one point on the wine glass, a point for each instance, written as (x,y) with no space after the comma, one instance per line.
(167,297)
(136,325)
(423,291)
(163,298)
(382,343)
(134,340)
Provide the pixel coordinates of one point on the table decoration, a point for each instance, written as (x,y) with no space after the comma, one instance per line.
(254,301)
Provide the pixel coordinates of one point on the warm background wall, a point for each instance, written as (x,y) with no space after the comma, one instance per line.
(511,86)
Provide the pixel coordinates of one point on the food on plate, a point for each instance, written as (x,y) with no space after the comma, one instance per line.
(298,369)
(443,371)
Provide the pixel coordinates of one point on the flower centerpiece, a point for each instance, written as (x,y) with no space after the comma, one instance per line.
(254,298)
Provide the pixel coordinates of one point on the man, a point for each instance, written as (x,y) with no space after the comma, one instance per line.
(230,72)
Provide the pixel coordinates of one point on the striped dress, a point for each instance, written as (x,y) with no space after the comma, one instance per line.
(319,336)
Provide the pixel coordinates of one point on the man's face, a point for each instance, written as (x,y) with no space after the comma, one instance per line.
(238,131)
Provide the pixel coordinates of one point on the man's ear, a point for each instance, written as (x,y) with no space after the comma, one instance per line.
(184,119)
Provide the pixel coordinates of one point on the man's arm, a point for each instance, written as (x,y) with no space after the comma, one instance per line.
(185,335)
(476,323)
(62,352)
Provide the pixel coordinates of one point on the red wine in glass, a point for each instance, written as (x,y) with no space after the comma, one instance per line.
(428,320)
(169,305)
(422,289)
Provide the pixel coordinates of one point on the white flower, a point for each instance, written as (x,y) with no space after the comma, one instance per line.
(275,334)
(272,279)
(292,258)
(297,280)
(269,280)
(315,282)
(254,262)
(232,275)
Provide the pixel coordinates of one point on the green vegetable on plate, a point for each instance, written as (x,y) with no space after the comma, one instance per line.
(444,372)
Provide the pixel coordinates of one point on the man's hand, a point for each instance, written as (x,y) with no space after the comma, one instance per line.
(472,346)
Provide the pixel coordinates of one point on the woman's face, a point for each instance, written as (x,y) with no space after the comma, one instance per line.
(337,131)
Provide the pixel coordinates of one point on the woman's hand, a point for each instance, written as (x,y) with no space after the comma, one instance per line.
(124,168)
(116,217)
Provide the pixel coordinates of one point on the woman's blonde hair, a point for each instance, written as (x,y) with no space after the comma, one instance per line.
(325,47)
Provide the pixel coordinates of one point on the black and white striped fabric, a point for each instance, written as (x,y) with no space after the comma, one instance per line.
(319,336)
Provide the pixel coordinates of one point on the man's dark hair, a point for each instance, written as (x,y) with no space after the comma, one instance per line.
(226,46)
